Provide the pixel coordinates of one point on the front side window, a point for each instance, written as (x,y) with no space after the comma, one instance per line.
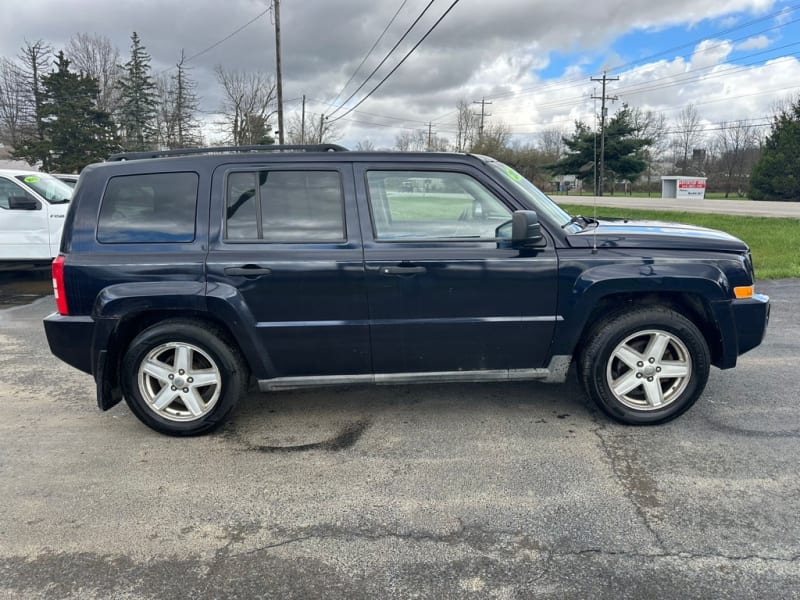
(12,197)
(433,205)
(152,208)
(284,206)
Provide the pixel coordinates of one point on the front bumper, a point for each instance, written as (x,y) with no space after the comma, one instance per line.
(742,325)
(751,316)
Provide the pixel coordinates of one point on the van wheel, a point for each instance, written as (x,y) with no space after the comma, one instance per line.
(181,378)
(645,366)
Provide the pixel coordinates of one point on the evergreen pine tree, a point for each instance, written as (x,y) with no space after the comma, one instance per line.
(776,176)
(77,131)
(624,158)
(138,99)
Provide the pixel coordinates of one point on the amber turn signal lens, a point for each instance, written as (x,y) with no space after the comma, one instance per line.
(744,291)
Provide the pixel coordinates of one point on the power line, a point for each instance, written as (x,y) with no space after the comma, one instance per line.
(385,58)
(390,73)
(223,40)
(361,64)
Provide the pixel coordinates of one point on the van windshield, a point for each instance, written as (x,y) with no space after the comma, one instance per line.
(48,187)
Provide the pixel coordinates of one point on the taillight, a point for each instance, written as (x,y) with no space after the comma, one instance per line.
(58,285)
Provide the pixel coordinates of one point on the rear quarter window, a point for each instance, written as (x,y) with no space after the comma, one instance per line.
(151,208)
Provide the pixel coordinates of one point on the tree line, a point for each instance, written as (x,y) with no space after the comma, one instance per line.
(738,158)
(63,110)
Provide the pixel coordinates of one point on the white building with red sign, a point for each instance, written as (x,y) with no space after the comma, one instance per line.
(683,186)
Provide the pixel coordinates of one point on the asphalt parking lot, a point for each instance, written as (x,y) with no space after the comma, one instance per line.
(449,491)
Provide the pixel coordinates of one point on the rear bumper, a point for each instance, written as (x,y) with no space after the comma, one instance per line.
(71,339)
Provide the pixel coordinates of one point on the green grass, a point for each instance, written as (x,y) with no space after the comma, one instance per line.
(775,243)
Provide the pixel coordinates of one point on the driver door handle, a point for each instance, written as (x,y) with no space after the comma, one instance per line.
(248,271)
(401,270)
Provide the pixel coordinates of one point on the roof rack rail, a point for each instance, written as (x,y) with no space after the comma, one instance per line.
(120,156)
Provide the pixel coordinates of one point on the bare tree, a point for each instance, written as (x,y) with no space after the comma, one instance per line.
(34,64)
(365,146)
(96,56)
(551,143)
(494,140)
(687,139)
(315,130)
(164,122)
(735,143)
(12,102)
(467,125)
(411,141)
(247,105)
(650,125)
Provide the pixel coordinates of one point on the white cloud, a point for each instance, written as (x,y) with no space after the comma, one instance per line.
(758,42)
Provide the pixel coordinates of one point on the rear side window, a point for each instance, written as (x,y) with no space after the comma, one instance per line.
(153,208)
(284,206)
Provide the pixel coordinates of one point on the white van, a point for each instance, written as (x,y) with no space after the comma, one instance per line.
(32,210)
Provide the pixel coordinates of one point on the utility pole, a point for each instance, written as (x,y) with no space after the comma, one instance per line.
(603,112)
(276,7)
(303,122)
(484,114)
(321,126)
(430,124)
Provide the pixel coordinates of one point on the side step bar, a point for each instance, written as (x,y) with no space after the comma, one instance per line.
(556,372)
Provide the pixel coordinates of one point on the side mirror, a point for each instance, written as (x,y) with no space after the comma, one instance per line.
(23,203)
(526,232)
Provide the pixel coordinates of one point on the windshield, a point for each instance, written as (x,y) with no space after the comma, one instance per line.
(540,202)
(48,187)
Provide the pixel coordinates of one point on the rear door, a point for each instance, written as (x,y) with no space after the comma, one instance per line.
(291,249)
(446,292)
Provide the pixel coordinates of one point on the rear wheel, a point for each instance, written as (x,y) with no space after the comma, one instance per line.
(645,366)
(181,378)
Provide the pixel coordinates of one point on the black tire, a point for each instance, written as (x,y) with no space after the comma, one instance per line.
(208,388)
(609,364)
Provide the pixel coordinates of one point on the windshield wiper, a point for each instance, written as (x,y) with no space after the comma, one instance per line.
(584,222)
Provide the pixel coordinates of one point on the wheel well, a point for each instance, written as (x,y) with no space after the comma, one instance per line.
(692,306)
(131,326)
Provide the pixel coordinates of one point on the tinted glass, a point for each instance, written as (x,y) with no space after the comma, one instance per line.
(433,205)
(9,190)
(285,206)
(154,208)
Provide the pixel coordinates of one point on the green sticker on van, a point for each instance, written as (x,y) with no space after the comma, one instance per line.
(31,179)
(513,174)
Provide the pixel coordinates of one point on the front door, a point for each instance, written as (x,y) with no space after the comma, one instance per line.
(24,224)
(292,251)
(446,290)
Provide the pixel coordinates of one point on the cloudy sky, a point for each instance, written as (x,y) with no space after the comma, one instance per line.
(532,59)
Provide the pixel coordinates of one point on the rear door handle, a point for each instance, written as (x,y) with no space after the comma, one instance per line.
(402,270)
(248,271)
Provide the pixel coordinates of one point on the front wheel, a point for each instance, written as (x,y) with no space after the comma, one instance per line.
(181,378)
(645,366)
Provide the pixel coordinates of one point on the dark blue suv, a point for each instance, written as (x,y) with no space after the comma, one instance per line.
(185,274)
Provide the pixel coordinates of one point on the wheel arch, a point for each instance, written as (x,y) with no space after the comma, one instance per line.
(122,312)
(693,289)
